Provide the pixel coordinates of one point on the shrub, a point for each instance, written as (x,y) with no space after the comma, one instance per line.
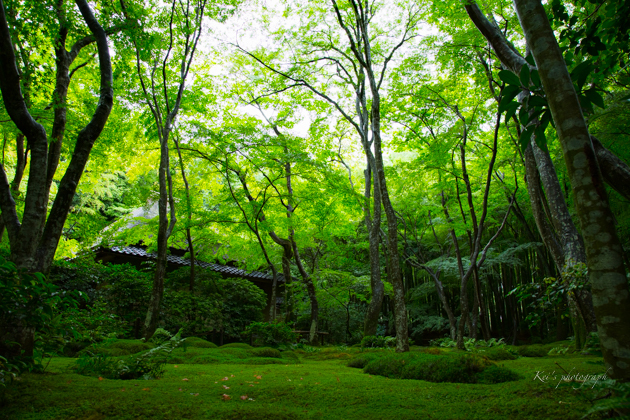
(266,352)
(270,334)
(199,343)
(361,360)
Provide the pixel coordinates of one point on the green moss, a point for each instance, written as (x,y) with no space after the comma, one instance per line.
(497,374)
(118,348)
(266,352)
(534,350)
(499,353)
(361,360)
(236,346)
(200,343)
(312,389)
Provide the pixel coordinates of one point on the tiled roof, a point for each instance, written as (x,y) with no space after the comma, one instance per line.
(173,259)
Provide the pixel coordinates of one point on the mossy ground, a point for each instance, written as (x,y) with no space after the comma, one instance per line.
(305,385)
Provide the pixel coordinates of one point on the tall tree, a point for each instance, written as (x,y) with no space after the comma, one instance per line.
(34,238)
(163,89)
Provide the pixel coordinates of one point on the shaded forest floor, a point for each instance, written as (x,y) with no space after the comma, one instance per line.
(308,385)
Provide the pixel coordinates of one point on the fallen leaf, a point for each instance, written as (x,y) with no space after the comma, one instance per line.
(243,397)
(185,379)
(251,399)
(231,376)
(100,379)
(226,387)
(176,366)
(180,390)
(145,389)
(338,379)
(194,395)
(301,379)
(288,380)
(258,377)
(225,397)
(225,379)
(251,384)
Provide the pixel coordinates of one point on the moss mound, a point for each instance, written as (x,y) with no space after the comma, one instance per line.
(499,353)
(199,343)
(535,350)
(266,352)
(467,368)
(118,348)
(361,360)
(236,346)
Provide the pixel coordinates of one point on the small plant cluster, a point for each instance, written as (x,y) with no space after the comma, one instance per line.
(270,334)
(147,365)
(469,343)
(376,341)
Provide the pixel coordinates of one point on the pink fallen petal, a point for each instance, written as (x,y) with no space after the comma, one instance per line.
(243,397)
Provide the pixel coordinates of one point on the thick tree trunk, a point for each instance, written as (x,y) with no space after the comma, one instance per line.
(611,296)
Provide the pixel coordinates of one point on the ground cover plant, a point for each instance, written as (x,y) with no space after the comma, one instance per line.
(308,388)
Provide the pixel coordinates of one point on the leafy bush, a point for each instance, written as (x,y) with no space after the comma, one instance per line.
(29,318)
(271,334)
(375,341)
(266,352)
(117,348)
(199,343)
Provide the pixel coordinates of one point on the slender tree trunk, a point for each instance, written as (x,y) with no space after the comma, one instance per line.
(310,289)
(373,225)
(611,297)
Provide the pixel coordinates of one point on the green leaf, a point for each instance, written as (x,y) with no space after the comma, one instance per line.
(536,78)
(525,75)
(526,136)
(581,72)
(530,59)
(511,110)
(537,101)
(523,115)
(540,138)
(507,95)
(586,104)
(594,97)
(510,78)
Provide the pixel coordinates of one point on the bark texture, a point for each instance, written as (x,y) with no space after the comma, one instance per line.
(611,297)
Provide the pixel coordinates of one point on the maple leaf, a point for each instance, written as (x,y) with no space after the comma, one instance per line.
(226,387)
(225,379)
(225,397)
(185,379)
(243,397)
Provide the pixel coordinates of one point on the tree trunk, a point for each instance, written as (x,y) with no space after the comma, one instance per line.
(310,289)
(611,296)
(373,225)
